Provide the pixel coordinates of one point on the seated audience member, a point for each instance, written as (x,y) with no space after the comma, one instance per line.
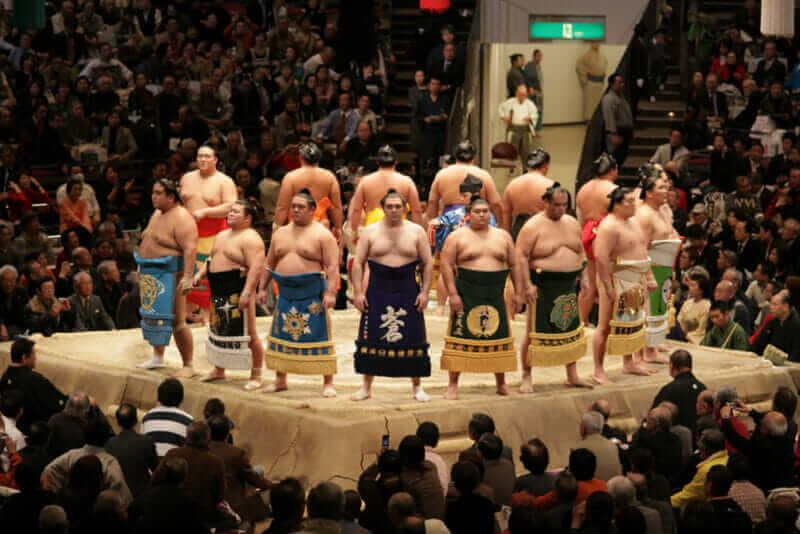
(728,516)
(287,501)
(663,507)
(205,477)
(642,462)
(42,398)
(747,495)
(73,210)
(12,403)
(623,493)
(783,332)
(53,520)
(782,515)
(57,474)
(428,432)
(582,464)
(596,517)
(558,517)
(499,472)
(351,511)
(480,424)
(20,512)
(361,147)
(375,485)
(726,334)
(325,505)
(88,309)
(238,471)
(136,453)
(109,289)
(604,451)
(45,313)
(167,506)
(167,423)
(420,478)
(535,458)
(762,274)
(471,512)
(784,401)
(665,446)
(67,428)
(693,315)
(673,151)
(402,511)
(603,407)
(725,291)
(712,451)
(12,300)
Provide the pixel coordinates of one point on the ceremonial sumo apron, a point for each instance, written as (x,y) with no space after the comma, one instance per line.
(628,317)
(478,337)
(228,340)
(391,335)
(662,254)
(157,281)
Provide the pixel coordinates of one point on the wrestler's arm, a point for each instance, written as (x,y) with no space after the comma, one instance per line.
(253,253)
(337,215)
(330,262)
(186,236)
(493,197)
(269,265)
(603,246)
(424,251)
(507,209)
(229,196)
(526,241)
(516,271)
(355,208)
(282,206)
(433,199)
(447,262)
(414,203)
(357,272)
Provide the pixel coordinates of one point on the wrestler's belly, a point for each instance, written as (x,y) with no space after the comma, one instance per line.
(292,264)
(484,264)
(150,248)
(220,264)
(563,259)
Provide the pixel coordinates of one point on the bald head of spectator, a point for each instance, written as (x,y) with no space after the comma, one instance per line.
(781,305)
(53,518)
(774,424)
(325,501)
(591,423)
(534,456)
(400,506)
(724,291)
(782,512)
(790,228)
(658,420)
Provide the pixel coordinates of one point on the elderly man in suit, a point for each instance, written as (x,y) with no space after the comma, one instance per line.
(90,314)
(606,452)
(118,140)
(136,453)
(673,151)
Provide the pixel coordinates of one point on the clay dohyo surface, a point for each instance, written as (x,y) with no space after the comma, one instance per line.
(299,433)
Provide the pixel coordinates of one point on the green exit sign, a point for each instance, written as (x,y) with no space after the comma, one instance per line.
(567,29)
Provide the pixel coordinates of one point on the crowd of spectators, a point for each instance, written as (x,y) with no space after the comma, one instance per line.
(691,466)
(108,97)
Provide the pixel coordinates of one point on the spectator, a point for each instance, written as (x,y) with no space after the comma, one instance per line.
(658,439)
(784,331)
(205,478)
(238,471)
(57,474)
(724,165)
(582,464)
(53,519)
(781,515)
(107,65)
(433,110)
(20,512)
(535,458)
(623,493)
(728,516)
(726,333)
(42,398)
(340,125)
(693,315)
(747,495)
(73,210)
(515,76)
(135,453)
(499,472)
(603,407)
(350,514)
(770,68)
(118,140)
(480,424)
(12,299)
(12,404)
(167,506)
(596,516)
(618,119)
(725,292)
(471,512)
(605,452)
(777,105)
(712,452)
(109,290)
(325,506)
(713,107)
(288,502)
(167,423)
(45,313)
(88,308)
(428,432)
(420,478)
(32,240)
(450,71)
(683,390)
(210,108)
(673,151)
(684,434)
(361,147)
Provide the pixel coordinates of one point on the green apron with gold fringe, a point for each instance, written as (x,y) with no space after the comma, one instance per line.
(556,336)
(478,337)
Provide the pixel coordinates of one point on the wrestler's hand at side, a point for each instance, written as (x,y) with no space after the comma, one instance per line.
(531,294)
(518,301)
(261,297)
(456,305)
(328,300)
(360,302)
(186,284)
(244,301)
(651,285)
(421,302)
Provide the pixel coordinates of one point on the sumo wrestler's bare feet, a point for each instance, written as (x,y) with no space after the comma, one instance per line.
(601,378)
(632,368)
(187,371)
(360,395)
(451,393)
(527,383)
(329,391)
(503,390)
(275,387)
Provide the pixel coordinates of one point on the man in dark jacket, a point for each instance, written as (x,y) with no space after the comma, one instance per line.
(665,446)
(136,453)
(728,516)
(783,332)
(770,449)
(683,390)
(421,479)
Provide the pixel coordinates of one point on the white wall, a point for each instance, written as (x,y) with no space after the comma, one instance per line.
(506,21)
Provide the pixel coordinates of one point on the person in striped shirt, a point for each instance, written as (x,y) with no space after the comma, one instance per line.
(167,423)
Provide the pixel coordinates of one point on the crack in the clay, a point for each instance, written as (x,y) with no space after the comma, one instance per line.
(289,449)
